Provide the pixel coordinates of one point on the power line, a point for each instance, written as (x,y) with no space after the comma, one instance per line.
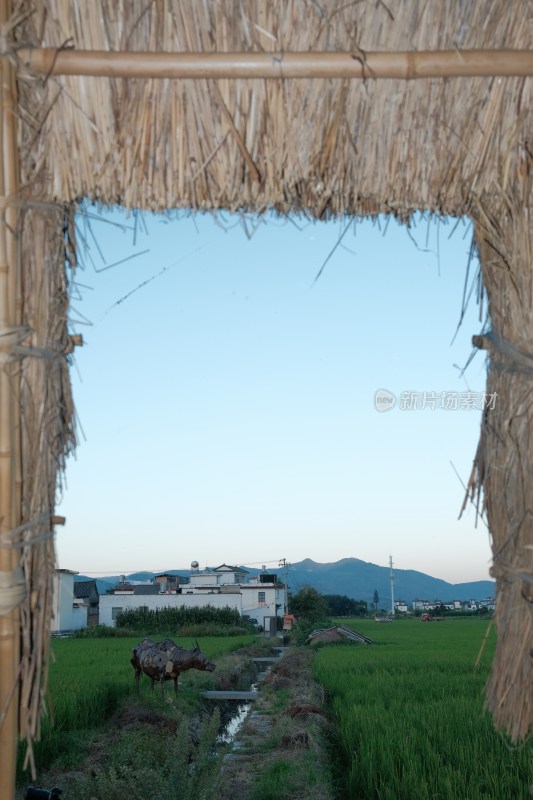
(123,571)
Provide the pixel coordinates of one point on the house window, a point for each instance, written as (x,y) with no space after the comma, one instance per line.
(115,612)
(261,597)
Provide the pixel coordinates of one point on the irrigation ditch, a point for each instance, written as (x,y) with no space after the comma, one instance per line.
(235,705)
(279,739)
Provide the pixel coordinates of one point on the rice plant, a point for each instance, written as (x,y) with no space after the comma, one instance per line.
(409,715)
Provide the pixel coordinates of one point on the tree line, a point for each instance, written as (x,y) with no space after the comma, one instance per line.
(311,605)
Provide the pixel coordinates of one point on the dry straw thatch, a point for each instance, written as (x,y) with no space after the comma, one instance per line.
(320,146)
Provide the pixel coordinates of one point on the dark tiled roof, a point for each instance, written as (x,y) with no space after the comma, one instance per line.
(229,568)
(152,589)
(143,588)
(172,578)
(83,589)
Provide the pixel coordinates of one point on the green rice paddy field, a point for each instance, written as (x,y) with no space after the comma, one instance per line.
(409,715)
(407,712)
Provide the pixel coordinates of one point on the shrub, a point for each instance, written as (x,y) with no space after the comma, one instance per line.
(141,764)
(101,631)
(211,629)
(165,619)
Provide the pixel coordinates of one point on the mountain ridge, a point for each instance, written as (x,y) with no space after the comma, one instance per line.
(351,577)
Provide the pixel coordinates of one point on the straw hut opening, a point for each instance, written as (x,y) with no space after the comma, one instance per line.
(328,109)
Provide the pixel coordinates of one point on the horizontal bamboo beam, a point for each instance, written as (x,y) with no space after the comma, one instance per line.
(403,65)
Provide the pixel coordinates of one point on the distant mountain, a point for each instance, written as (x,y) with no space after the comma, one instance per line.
(110,581)
(352,577)
(359,579)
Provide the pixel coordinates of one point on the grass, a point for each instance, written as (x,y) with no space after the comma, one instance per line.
(409,715)
(280,780)
(153,756)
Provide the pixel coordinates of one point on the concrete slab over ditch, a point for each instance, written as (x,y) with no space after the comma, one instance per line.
(265,659)
(231,695)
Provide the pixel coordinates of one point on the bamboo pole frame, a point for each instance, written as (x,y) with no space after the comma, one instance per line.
(406,65)
(10,449)
(357,65)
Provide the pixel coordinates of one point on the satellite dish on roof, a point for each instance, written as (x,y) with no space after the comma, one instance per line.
(194,565)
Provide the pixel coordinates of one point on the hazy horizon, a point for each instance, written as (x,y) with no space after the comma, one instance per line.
(275,569)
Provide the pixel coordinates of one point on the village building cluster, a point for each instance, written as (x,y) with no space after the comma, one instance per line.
(261,597)
(400,606)
(77,604)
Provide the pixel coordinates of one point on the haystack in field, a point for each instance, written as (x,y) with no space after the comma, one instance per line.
(324,109)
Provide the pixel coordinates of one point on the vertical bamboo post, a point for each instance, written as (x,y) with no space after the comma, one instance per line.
(10,507)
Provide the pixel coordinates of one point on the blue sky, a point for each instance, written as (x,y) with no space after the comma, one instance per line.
(226,398)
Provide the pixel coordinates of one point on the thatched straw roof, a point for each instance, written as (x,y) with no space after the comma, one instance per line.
(337,633)
(320,146)
(315,145)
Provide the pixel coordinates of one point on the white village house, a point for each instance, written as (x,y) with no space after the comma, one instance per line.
(258,597)
(68,612)
(454,605)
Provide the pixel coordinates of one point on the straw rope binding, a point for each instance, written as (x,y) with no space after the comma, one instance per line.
(12,589)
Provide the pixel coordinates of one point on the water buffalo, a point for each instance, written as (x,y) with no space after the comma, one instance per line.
(165,661)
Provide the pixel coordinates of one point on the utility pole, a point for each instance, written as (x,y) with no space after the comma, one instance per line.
(391,585)
(284,564)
